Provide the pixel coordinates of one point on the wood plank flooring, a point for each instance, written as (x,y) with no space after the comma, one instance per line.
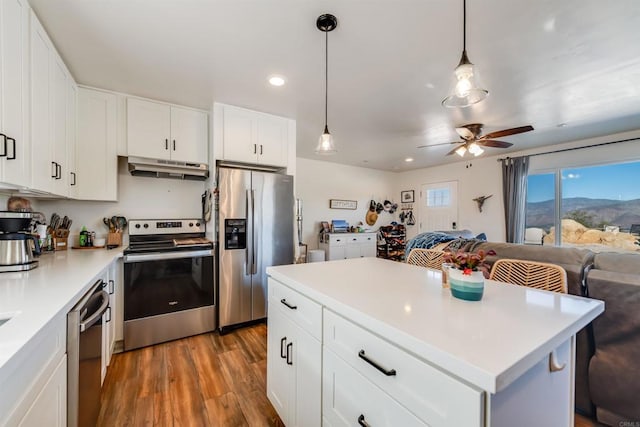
(206,380)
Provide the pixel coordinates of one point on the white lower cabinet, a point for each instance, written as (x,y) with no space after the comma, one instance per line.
(50,406)
(294,360)
(349,399)
(349,245)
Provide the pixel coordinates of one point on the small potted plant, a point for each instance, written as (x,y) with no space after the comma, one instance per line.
(467,272)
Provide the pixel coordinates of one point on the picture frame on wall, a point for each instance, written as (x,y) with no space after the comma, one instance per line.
(342,204)
(407,196)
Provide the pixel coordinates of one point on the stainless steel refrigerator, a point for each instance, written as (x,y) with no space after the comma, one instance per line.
(255,231)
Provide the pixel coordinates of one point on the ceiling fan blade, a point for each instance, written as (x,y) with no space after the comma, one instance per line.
(452,151)
(507,132)
(465,133)
(494,143)
(437,145)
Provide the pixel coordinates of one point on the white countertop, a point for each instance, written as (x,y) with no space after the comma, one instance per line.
(37,296)
(487,343)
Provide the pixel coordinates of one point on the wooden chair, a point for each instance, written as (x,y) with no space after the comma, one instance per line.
(428,258)
(539,275)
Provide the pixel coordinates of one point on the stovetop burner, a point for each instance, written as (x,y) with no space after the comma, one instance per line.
(166,235)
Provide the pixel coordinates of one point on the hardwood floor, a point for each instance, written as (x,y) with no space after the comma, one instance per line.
(206,380)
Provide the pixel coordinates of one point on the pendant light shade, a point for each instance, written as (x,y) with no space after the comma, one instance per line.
(326,23)
(465,89)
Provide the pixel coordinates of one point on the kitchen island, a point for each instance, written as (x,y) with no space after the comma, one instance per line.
(382,343)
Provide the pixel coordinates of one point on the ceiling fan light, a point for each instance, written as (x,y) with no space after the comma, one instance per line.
(325,144)
(475,149)
(461,150)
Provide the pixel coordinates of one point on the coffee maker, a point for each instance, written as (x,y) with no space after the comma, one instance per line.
(17,253)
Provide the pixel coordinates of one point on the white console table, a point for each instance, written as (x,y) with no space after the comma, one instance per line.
(348,245)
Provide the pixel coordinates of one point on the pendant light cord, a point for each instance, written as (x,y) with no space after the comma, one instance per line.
(464,25)
(326,78)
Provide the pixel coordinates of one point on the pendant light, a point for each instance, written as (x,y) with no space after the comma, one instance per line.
(326,23)
(466,89)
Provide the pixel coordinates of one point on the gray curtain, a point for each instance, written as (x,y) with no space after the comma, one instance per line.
(514,193)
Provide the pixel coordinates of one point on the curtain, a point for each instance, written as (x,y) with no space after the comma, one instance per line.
(514,193)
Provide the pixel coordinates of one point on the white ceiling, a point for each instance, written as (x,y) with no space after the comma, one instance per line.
(544,62)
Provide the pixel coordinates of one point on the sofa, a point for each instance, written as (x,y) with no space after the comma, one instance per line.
(607,378)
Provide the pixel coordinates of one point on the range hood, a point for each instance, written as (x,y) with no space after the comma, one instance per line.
(139,166)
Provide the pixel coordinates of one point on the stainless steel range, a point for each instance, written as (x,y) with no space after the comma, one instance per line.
(169,281)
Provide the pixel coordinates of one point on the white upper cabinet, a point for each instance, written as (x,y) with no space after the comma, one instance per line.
(97,160)
(189,135)
(72,134)
(14,147)
(51,88)
(162,131)
(254,137)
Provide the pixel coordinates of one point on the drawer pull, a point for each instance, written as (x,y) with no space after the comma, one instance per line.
(554,366)
(389,373)
(362,422)
(282,354)
(289,347)
(292,307)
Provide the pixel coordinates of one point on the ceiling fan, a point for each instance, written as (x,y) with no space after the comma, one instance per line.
(472,141)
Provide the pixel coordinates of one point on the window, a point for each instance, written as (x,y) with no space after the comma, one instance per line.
(599,206)
(438,198)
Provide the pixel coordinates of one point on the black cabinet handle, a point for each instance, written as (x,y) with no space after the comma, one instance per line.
(292,307)
(174,145)
(387,372)
(13,144)
(55,169)
(59,171)
(166,144)
(254,148)
(260,149)
(73,175)
(282,353)
(289,347)
(108,314)
(5,145)
(112,286)
(362,422)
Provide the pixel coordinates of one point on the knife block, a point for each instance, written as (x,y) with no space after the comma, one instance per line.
(114,239)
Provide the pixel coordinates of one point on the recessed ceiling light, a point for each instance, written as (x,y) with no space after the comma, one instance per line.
(561,125)
(276,80)
(408,159)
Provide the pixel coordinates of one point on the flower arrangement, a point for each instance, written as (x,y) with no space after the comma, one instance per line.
(468,261)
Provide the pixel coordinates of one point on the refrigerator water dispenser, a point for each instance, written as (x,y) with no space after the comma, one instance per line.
(235,233)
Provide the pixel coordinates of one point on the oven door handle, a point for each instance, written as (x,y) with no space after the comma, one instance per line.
(131,258)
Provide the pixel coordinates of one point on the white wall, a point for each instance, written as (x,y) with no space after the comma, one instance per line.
(318,181)
(138,198)
(484,177)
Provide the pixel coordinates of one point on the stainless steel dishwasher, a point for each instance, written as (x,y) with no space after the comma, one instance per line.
(84,352)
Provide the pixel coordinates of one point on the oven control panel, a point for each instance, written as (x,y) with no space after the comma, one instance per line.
(165,226)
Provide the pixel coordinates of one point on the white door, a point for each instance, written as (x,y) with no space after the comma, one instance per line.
(148,129)
(13,65)
(439,206)
(189,135)
(272,140)
(239,141)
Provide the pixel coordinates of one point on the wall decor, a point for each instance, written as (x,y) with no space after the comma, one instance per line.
(407,196)
(480,201)
(342,204)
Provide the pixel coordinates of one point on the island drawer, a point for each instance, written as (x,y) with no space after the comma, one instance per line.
(423,389)
(304,312)
(348,398)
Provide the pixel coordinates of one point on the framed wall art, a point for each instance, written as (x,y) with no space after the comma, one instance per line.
(342,204)
(407,196)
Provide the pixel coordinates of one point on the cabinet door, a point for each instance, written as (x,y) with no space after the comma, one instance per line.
(112,283)
(14,21)
(72,115)
(272,140)
(352,247)
(307,362)
(337,252)
(189,135)
(58,98)
(280,376)
(239,140)
(43,170)
(50,407)
(97,165)
(368,245)
(148,129)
